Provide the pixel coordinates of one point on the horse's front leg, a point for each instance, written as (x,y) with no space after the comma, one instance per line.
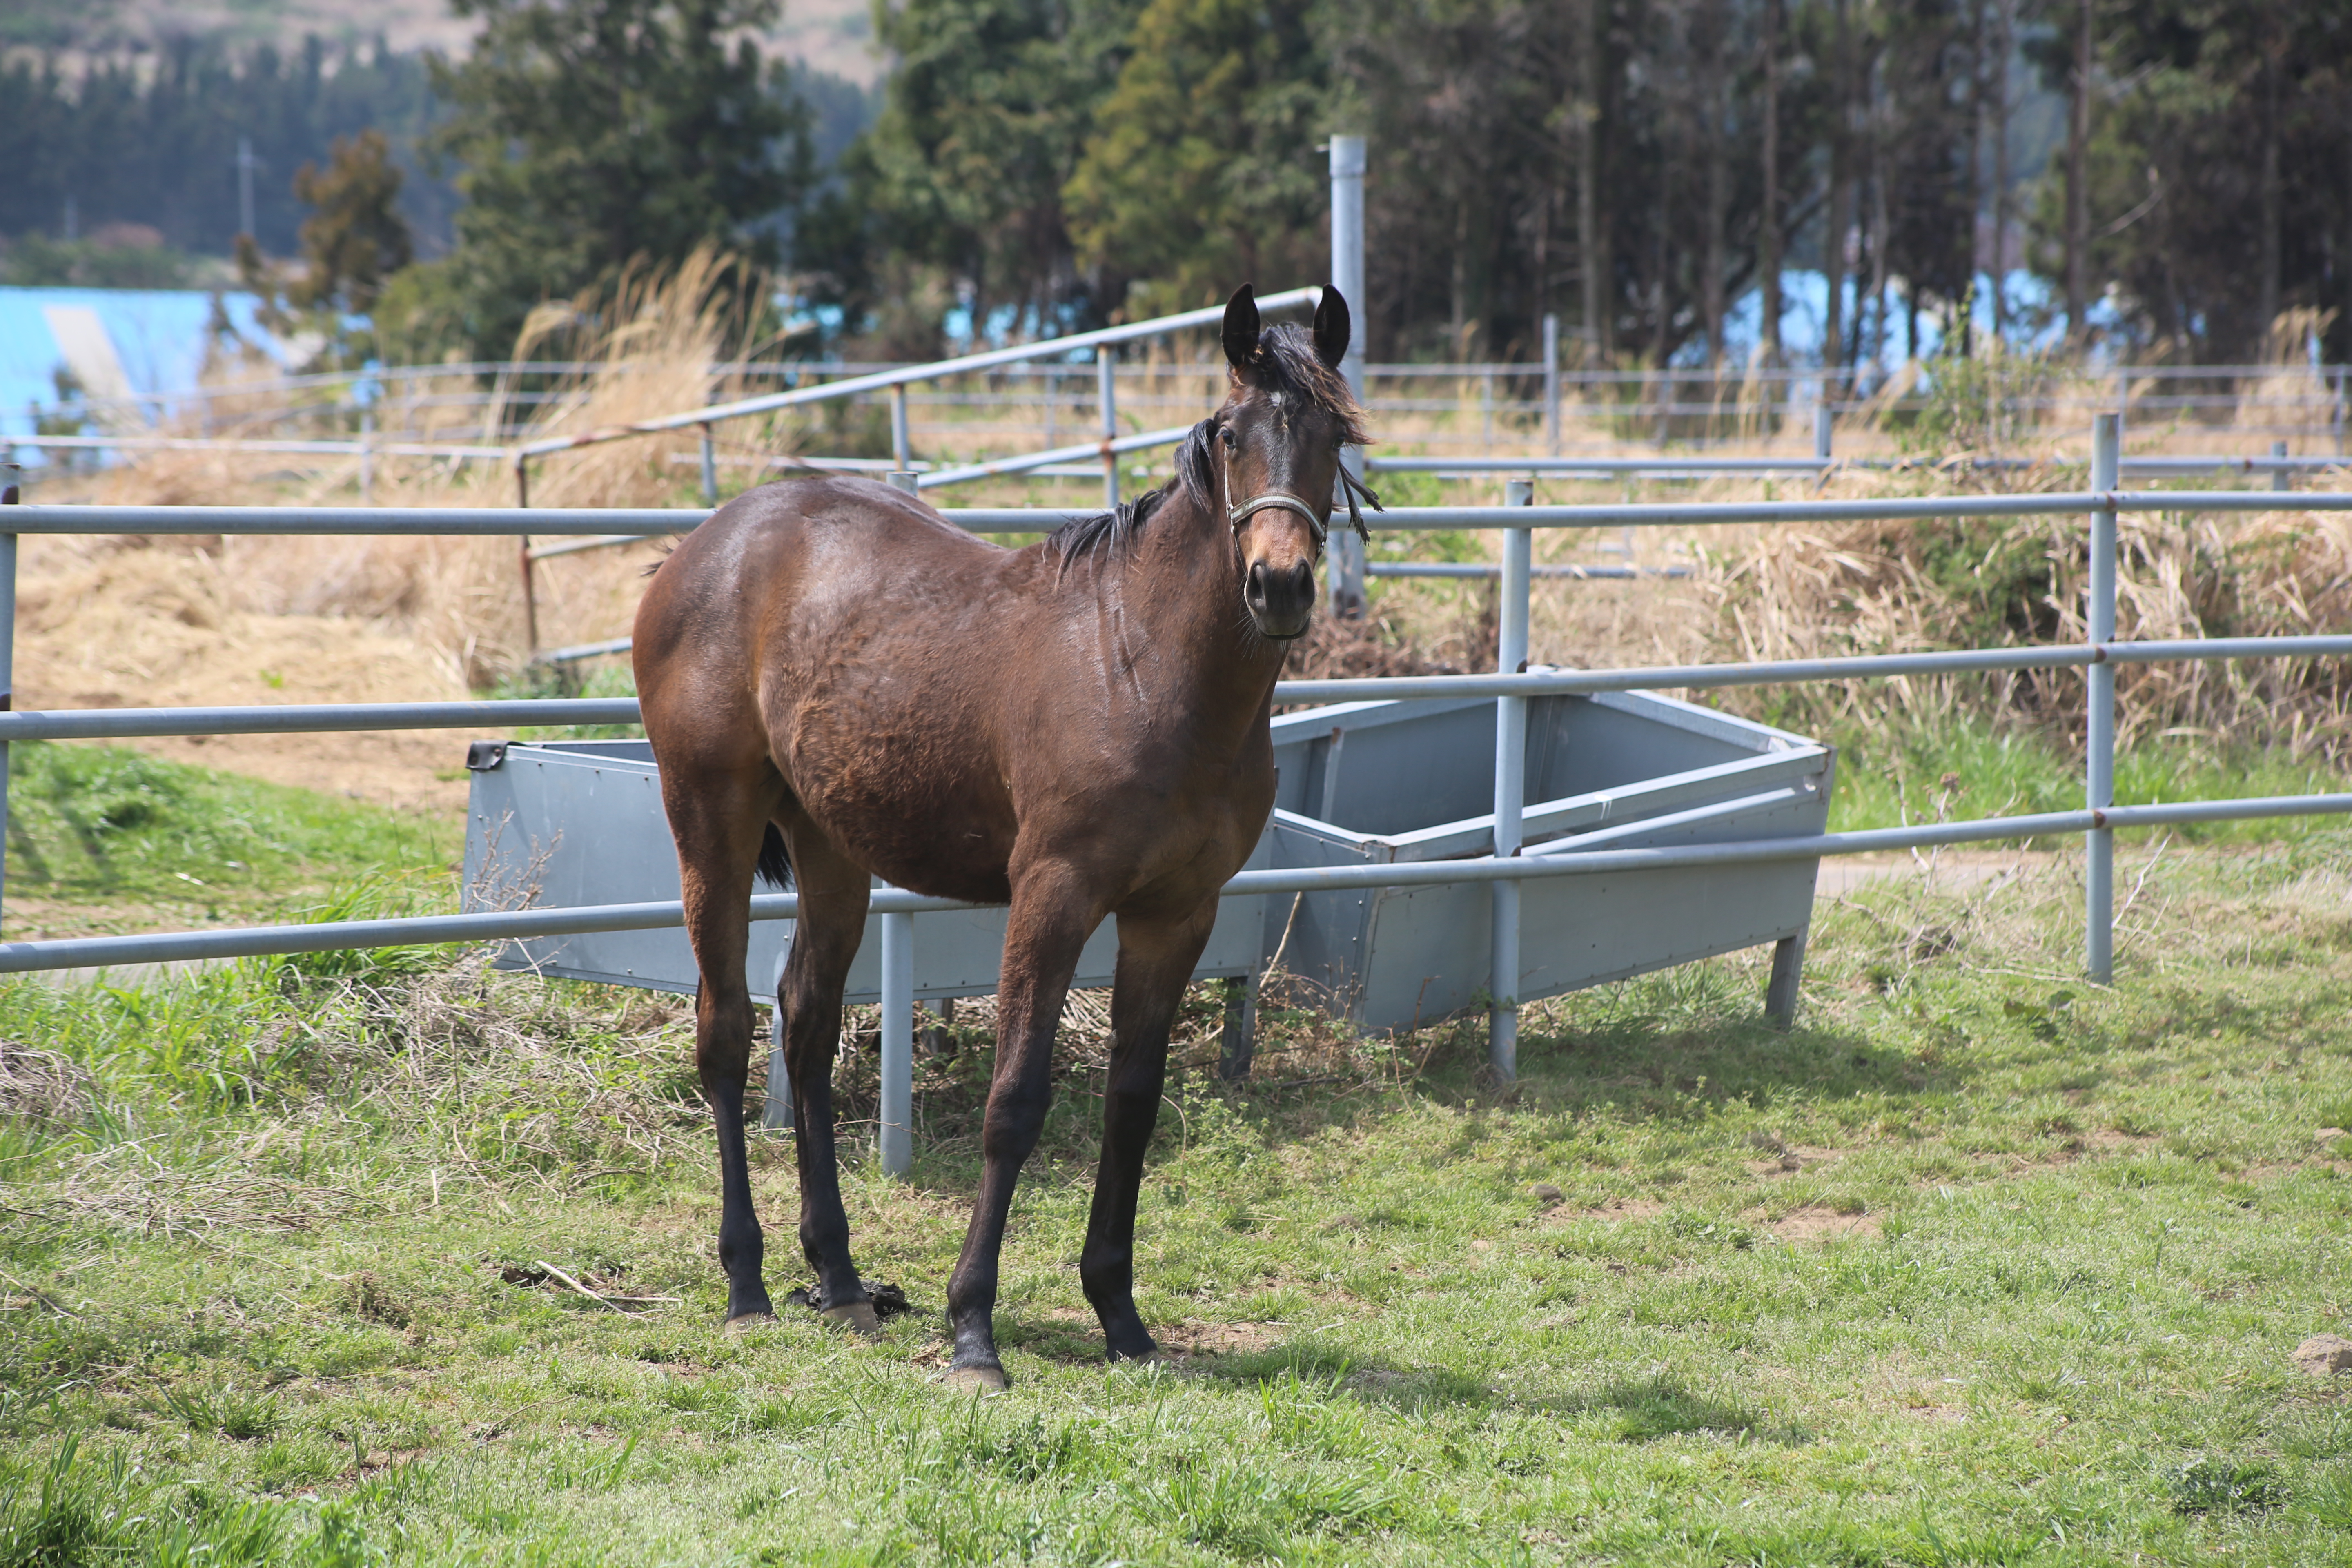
(1156,956)
(1052,914)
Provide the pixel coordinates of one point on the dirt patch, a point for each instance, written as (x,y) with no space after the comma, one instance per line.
(1791,1160)
(1625,1209)
(1191,1337)
(1819,1224)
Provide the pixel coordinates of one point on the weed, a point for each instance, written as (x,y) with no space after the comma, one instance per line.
(2207,1485)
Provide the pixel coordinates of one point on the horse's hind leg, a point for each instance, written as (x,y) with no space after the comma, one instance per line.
(1155,961)
(825,940)
(717,819)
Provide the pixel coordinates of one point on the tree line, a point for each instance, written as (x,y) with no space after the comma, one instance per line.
(153,139)
(2172,173)
(2175,169)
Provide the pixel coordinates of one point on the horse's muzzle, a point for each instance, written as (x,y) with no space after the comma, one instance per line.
(1280,601)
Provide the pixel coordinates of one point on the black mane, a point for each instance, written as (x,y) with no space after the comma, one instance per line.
(1286,363)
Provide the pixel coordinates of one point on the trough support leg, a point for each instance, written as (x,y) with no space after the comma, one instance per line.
(1510,793)
(898,1139)
(938,1039)
(1788,971)
(1241,1028)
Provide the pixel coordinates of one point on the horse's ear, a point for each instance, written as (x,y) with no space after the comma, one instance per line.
(1331,327)
(1240,327)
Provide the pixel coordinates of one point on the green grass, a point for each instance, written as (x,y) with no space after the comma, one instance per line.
(102,837)
(1890,774)
(2028,1296)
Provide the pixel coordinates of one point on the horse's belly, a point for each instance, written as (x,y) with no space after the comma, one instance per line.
(909,807)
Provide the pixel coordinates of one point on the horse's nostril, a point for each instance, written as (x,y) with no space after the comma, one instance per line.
(1257,583)
(1302,579)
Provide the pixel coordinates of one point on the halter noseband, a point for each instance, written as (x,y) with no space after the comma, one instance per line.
(1316,521)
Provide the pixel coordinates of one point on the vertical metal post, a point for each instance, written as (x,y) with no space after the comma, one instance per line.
(711,466)
(2280,479)
(1824,421)
(367,455)
(1346,571)
(777,1115)
(897,1133)
(902,441)
(529,589)
(9,496)
(897,1136)
(1511,790)
(1107,403)
(1551,383)
(2099,738)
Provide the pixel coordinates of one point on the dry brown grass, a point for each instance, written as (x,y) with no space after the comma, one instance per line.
(1807,593)
(108,622)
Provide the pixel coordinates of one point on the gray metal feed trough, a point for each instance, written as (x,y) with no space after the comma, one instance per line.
(1414,780)
(580,822)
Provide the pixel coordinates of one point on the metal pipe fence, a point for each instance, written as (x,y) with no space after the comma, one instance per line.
(1510,686)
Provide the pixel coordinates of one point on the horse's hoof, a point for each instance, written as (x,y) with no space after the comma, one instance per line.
(858,1317)
(977,1379)
(743,1322)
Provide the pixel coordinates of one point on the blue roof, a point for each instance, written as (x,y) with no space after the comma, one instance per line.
(158,334)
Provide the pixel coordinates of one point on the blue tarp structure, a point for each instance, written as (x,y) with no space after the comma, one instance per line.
(157,336)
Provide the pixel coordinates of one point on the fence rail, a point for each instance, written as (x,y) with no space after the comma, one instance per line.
(2098,656)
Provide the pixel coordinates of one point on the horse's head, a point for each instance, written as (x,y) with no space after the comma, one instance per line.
(1273,453)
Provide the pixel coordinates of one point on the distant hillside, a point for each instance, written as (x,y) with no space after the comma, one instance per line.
(829,35)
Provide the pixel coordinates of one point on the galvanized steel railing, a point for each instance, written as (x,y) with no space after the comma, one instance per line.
(1509,687)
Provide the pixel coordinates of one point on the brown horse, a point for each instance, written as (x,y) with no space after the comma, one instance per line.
(833,672)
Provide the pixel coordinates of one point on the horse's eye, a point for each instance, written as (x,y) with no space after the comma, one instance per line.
(1225,434)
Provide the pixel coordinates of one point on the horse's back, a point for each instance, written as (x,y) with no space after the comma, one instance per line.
(849,637)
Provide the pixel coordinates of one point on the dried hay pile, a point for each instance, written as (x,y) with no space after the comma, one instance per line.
(1897,588)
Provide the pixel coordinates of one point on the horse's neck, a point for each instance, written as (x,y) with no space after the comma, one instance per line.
(1184,582)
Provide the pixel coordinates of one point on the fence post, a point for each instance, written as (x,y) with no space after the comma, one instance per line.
(2280,479)
(1345,575)
(1823,423)
(9,496)
(896,1136)
(1551,383)
(902,442)
(897,1139)
(2099,728)
(529,589)
(1510,789)
(367,455)
(1107,403)
(711,466)
(776,1116)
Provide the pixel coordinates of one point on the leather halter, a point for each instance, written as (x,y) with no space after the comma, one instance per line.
(1318,522)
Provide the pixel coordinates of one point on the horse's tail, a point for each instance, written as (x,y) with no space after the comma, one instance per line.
(775,861)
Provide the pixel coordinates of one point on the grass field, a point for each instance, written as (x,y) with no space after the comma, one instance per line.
(104,839)
(1980,1263)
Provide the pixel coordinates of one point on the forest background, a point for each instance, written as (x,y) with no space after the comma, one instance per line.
(2175,174)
